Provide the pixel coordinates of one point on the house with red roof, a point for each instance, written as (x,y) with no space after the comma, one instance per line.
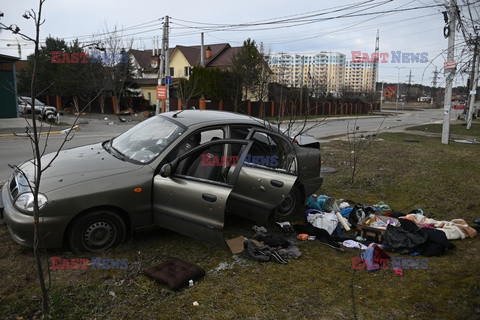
(182,59)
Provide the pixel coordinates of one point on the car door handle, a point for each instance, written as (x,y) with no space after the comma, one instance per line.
(209,197)
(276,183)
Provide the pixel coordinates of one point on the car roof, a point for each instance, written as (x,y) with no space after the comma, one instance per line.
(210,117)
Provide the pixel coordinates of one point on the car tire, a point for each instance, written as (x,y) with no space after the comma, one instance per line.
(289,205)
(96,231)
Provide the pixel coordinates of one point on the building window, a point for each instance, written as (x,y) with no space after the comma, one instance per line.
(188,71)
(172,70)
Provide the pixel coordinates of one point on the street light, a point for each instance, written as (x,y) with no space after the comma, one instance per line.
(398,86)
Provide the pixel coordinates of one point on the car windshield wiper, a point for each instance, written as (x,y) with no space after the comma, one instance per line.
(117,154)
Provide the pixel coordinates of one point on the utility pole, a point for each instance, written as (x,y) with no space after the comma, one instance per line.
(409,83)
(434,83)
(474,83)
(161,68)
(375,62)
(301,81)
(381,98)
(167,65)
(447,106)
(202,51)
(398,86)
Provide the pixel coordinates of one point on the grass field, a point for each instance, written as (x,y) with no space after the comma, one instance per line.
(440,179)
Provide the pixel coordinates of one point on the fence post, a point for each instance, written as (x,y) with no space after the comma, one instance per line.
(202,105)
(220,105)
(114,104)
(58,102)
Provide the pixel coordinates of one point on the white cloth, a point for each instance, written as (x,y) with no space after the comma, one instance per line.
(354,244)
(324,220)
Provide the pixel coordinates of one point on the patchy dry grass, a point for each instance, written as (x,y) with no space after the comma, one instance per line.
(320,285)
(455,129)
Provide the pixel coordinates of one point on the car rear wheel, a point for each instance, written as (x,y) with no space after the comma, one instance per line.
(289,205)
(96,231)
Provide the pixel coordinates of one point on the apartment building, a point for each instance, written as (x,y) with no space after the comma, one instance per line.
(359,76)
(324,72)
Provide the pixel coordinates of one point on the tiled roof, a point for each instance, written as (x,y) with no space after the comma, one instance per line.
(192,53)
(222,55)
(144,58)
(225,58)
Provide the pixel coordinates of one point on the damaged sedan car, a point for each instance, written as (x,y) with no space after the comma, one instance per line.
(183,171)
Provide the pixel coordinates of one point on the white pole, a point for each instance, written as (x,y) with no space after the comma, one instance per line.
(447,106)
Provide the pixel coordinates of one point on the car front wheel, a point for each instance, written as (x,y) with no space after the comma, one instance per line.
(96,231)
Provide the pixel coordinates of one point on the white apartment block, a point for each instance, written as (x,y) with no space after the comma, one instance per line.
(327,72)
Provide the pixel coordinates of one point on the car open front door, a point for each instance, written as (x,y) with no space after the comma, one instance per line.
(191,198)
(266,178)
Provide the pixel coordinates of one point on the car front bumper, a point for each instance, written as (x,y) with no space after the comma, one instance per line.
(20,225)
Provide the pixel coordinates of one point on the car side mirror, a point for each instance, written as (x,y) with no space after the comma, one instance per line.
(166,170)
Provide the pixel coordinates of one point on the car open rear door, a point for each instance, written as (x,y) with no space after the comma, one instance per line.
(191,199)
(268,173)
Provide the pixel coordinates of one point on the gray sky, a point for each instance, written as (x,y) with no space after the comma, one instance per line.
(412,31)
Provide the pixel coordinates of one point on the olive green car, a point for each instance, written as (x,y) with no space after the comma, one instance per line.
(182,170)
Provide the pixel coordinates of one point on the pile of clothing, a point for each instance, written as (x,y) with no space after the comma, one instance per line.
(411,233)
(271,246)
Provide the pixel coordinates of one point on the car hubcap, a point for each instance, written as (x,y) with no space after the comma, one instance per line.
(99,235)
(287,205)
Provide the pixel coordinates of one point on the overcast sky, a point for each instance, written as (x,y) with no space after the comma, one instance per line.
(410,31)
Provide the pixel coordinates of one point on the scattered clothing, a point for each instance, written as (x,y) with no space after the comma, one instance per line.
(398,271)
(454,229)
(408,237)
(325,220)
(354,244)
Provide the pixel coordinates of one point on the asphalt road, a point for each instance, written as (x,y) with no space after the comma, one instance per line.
(16,149)
(391,121)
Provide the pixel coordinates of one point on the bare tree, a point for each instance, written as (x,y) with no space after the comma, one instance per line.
(113,54)
(264,77)
(360,145)
(35,142)
(39,145)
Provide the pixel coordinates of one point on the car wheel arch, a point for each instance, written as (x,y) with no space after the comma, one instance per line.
(122,214)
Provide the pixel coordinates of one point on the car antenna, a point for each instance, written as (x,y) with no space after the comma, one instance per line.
(175,115)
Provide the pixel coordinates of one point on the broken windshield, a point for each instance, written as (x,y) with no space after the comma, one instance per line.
(144,142)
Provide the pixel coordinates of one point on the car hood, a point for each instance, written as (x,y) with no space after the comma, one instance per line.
(76,165)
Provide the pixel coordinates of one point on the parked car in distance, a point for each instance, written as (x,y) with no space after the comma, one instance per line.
(44,112)
(182,171)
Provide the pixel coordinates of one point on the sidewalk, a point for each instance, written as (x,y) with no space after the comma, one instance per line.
(15,126)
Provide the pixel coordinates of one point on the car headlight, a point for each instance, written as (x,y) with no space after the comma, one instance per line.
(25,201)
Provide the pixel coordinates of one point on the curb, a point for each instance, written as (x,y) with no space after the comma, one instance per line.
(65,131)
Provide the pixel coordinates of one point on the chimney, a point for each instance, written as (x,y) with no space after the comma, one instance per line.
(208,53)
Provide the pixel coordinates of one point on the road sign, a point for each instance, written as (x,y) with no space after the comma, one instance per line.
(168,80)
(449,65)
(161,92)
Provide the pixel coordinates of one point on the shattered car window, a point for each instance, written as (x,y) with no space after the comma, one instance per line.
(144,142)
